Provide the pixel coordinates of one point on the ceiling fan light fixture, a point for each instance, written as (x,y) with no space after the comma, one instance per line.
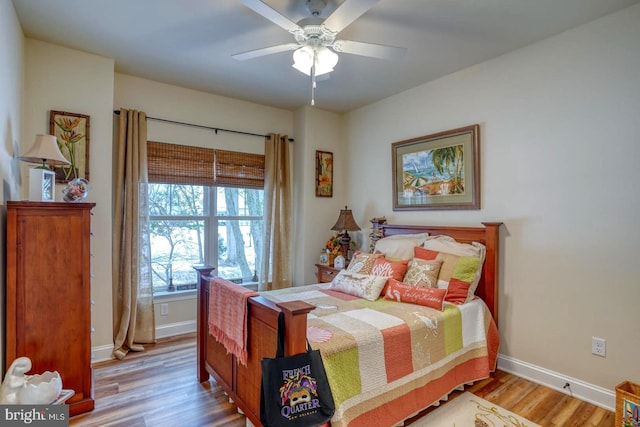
(325,60)
(303,59)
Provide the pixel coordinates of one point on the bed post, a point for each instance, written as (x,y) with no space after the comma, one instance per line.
(295,319)
(491,276)
(204,275)
(376,232)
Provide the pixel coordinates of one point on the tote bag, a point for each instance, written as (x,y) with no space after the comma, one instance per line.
(295,391)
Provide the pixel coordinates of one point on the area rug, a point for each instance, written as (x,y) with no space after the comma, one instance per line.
(468,410)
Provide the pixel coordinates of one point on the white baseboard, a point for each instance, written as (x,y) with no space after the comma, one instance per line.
(105,352)
(101,353)
(594,394)
(178,328)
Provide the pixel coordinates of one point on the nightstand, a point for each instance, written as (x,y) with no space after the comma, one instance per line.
(326,273)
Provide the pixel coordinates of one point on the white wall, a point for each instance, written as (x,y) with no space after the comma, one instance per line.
(11,71)
(57,78)
(559,159)
(316,130)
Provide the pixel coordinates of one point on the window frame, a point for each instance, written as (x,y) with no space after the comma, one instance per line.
(211,222)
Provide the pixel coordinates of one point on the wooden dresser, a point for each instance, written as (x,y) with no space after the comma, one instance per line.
(49,293)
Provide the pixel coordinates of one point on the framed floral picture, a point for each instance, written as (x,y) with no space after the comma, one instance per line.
(438,171)
(324,174)
(72,132)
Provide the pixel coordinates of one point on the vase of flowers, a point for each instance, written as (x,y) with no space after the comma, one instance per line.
(333,247)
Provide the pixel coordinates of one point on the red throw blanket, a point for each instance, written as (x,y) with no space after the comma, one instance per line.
(228,316)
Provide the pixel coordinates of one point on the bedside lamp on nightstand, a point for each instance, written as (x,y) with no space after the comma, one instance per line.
(347,223)
(42,180)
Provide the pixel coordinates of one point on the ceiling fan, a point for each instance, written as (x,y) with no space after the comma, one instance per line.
(315,44)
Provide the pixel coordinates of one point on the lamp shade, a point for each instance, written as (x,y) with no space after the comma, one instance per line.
(45,150)
(304,57)
(345,221)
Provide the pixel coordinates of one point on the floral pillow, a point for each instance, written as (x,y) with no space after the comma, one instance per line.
(459,274)
(360,285)
(423,273)
(402,292)
(362,262)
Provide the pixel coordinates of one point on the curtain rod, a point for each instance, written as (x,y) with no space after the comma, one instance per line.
(215,129)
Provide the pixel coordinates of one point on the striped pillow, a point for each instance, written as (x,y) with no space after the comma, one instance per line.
(459,274)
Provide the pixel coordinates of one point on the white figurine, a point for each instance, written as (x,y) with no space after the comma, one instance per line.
(18,388)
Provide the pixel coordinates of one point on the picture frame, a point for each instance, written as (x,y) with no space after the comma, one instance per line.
(323,259)
(72,133)
(437,171)
(324,174)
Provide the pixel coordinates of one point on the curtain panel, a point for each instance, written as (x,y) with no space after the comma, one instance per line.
(134,319)
(278,218)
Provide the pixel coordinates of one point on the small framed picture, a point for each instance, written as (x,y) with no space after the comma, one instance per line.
(324,174)
(72,133)
(324,258)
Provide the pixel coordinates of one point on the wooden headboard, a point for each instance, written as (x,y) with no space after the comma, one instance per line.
(488,235)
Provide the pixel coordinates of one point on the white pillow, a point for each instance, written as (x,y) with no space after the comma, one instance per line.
(450,245)
(400,246)
(360,285)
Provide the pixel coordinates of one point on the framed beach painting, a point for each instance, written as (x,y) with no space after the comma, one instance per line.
(72,132)
(438,171)
(324,174)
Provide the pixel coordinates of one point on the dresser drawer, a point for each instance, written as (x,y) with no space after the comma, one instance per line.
(326,273)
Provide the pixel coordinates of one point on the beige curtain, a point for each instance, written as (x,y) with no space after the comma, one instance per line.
(276,256)
(134,320)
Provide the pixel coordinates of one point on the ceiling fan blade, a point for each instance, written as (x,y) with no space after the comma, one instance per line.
(271,14)
(265,51)
(346,13)
(369,49)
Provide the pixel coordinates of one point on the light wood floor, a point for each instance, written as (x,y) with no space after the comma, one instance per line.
(158,388)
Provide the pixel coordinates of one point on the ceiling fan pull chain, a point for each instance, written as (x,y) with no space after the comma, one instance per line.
(313,77)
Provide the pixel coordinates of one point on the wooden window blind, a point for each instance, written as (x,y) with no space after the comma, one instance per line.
(183,164)
(234,169)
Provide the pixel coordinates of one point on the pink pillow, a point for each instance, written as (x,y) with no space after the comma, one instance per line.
(428,297)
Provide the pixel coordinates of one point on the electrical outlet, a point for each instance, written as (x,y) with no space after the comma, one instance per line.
(598,346)
(164,309)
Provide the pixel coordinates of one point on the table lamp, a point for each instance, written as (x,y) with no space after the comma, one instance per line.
(42,179)
(347,223)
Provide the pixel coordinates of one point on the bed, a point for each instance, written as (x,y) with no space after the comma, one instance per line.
(388,401)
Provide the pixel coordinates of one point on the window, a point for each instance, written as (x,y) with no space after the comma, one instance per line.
(194,225)
(205,207)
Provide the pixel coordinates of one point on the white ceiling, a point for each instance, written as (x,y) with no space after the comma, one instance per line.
(189,43)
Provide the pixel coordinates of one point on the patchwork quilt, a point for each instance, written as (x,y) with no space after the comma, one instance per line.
(386,360)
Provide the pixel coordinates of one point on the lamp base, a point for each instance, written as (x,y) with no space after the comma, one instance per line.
(345,244)
(42,185)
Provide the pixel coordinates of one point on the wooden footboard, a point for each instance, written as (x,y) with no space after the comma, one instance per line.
(242,383)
